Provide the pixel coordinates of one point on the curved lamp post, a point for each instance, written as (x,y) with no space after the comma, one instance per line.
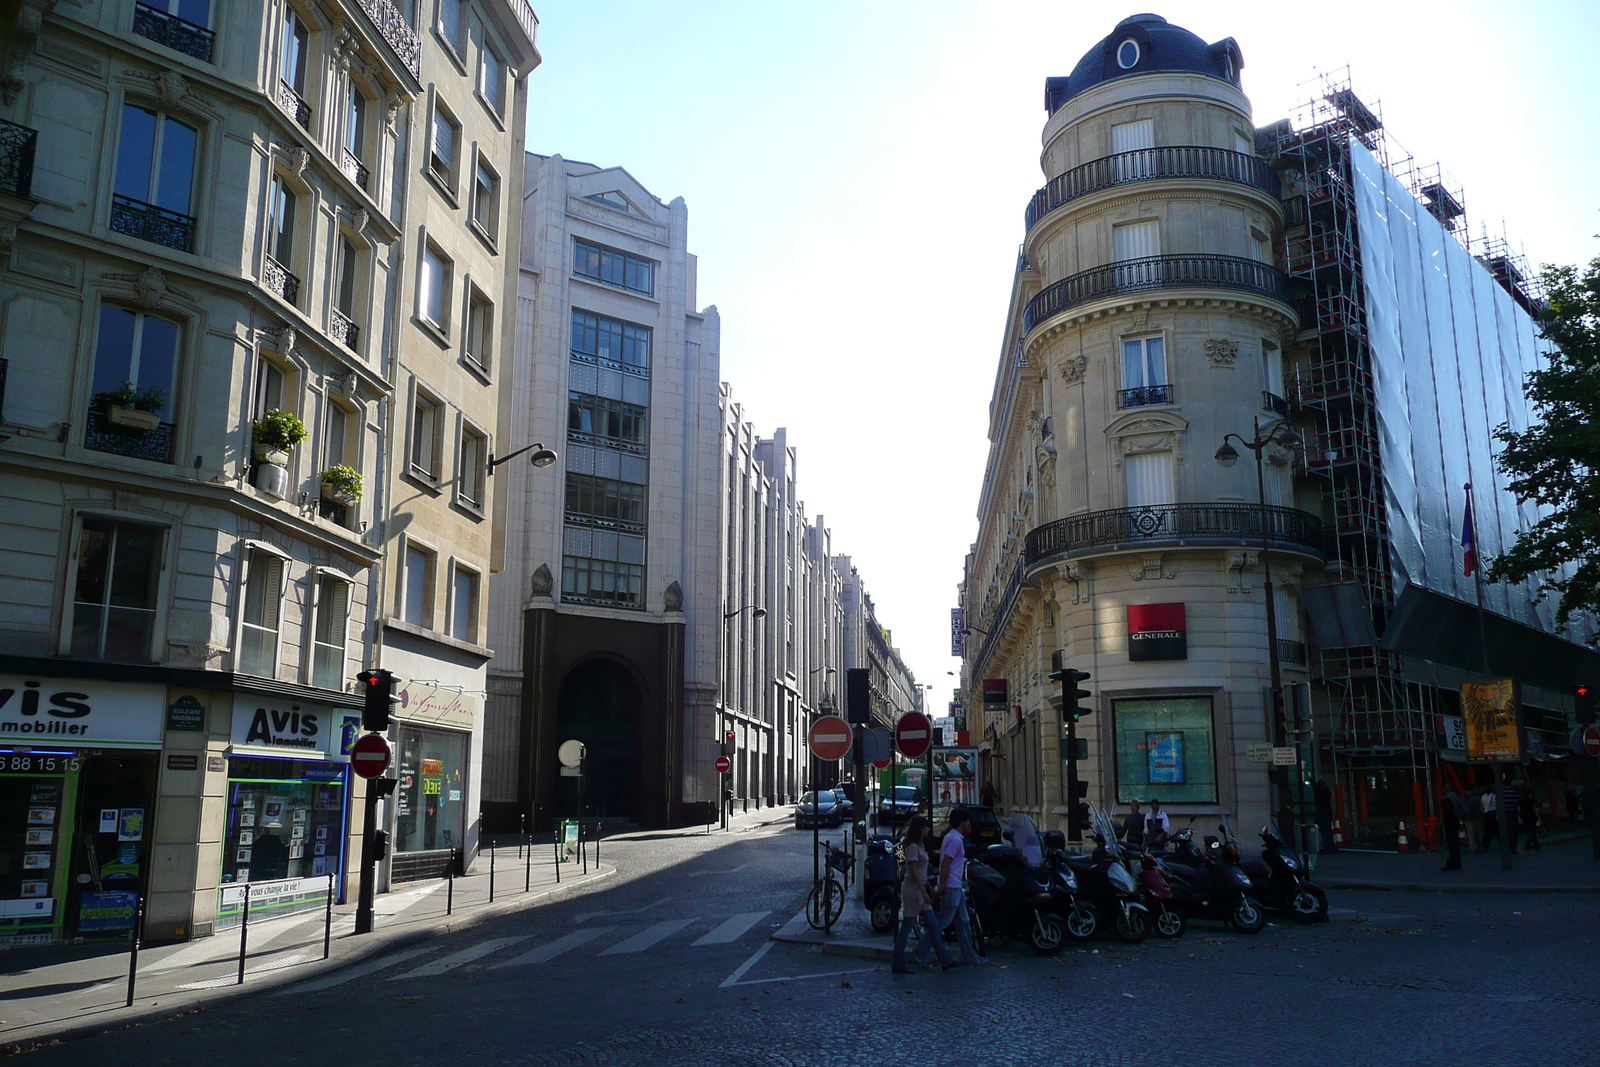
(1281,434)
(756,612)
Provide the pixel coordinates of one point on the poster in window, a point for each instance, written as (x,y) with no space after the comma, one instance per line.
(1164,751)
(272,813)
(42,816)
(35,889)
(1490,711)
(40,837)
(35,861)
(130,824)
(247,837)
(108,820)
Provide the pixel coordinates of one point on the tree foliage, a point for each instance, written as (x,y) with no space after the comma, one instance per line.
(1556,461)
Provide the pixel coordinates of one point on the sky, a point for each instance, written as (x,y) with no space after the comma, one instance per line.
(856,173)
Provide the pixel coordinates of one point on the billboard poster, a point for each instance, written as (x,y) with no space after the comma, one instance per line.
(955,776)
(1164,751)
(1490,711)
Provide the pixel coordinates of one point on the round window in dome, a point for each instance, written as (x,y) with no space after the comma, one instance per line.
(1128,54)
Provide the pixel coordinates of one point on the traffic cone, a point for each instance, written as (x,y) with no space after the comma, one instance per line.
(1405,842)
(1338,833)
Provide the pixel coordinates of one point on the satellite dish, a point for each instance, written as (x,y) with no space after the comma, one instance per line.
(570,753)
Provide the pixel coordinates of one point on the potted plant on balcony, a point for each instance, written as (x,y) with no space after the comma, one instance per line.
(272,436)
(131,409)
(342,485)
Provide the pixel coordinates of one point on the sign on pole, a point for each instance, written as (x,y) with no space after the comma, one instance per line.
(1490,709)
(1586,741)
(829,737)
(912,734)
(724,764)
(571,753)
(875,746)
(1283,756)
(369,757)
(1259,753)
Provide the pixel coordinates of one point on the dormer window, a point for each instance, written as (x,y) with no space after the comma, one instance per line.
(1128,54)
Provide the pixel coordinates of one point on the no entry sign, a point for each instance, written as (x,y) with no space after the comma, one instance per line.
(830,737)
(912,734)
(724,764)
(1586,741)
(369,757)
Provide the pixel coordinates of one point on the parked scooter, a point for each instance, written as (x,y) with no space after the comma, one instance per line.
(1280,884)
(1105,883)
(1210,884)
(1012,899)
(883,883)
(1157,894)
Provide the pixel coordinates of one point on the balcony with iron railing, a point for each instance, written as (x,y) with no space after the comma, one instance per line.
(342,327)
(276,278)
(17,147)
(103,435)
(1292,652)
(1274,403)
(1151,164)
(1144,395)
(294,104)
(396,32)
(353,168)
(1129,276)
(1176,526)
(176,33)
(148,222)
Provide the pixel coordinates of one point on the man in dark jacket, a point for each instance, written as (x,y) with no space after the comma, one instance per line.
(1324,805)
(1450,811)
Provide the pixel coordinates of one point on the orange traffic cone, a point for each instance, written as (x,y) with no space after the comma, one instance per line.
(1338,833)
(1405,842)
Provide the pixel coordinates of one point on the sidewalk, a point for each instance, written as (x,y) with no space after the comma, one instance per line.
(54,993)
(1563,866)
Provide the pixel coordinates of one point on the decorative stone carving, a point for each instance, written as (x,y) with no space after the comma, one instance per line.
(1221,352)
(286,338)
(1072,369)
(299,160)
(152,286)
(1072,574)
(359,221)
(1152,567)
(347,49)
(171,87)
(391,108)
(1237,564)
(672,598)
(543,581)
(24,33)
(1046,457)
(8,237)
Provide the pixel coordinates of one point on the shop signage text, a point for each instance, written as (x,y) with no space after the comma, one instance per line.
(1157,631)
(310,729)
(424,703)
(74,711)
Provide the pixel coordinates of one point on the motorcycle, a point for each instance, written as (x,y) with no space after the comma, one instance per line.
(1105,884)
(883,883)
(1210,884)
(1012,899)
(1280,883)
(1156,893)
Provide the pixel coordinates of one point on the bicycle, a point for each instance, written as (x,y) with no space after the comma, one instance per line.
(826,902)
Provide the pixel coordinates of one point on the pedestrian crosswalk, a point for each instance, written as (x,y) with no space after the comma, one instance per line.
(494,952)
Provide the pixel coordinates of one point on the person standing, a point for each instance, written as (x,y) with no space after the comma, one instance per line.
(1450,812)
(1571,797)
(1133,826)
(915,900)
(1323,797)
(989,794)
(951,892)
(1157,827)
(1472,815)
(1491,817)
(1528,808)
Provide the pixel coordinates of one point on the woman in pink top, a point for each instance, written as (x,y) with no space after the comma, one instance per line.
(915,902)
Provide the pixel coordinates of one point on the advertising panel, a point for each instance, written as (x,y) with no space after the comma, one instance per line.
(71,711)
(303,730)
(1490,711)
(1157,631)
(955,776)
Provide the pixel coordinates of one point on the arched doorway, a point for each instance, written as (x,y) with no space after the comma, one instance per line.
(597,705)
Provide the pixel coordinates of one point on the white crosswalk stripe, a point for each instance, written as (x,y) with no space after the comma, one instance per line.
(350,975)
(647,937)
(465,956)
(731,930)
(545,953)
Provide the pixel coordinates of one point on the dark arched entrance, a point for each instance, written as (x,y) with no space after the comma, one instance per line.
(597,705)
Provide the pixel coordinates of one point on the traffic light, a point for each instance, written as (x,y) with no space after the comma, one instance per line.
(1080,810)
(1070,693)
(727,743)
(380,845)
(858,695)
(1583,696)
(377,688)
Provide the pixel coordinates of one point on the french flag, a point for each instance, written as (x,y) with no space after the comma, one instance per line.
(1469,541)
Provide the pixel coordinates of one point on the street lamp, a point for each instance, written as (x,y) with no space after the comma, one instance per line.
(1281,434)
(756,612)
(542,457)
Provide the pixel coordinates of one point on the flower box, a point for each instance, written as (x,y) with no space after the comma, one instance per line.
(132,418)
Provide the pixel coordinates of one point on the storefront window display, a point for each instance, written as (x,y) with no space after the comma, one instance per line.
(1165,750)
(286,819)
(430,810)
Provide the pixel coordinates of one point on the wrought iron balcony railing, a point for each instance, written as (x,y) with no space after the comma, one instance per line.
(17,146)
(579,437)
(150,223)
(1157,272)
(102,435)
(1275,404)
(342,327)
(291,102)
(1178,525)
(178,34)
(353,168)
(396,33)
(1143,395)
(276,278)
(1291,651)
(1149,164)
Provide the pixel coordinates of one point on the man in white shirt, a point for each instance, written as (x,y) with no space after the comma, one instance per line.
(949,891)
(1157,827)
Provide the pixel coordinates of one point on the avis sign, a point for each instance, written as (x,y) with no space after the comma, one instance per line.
(314,730)
(73,711)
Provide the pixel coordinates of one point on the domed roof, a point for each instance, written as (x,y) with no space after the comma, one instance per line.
(1145,44)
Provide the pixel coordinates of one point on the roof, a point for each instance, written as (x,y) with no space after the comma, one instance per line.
(1145,44)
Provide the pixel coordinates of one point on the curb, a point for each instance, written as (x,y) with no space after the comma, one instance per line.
(1459,887)
(137,1016)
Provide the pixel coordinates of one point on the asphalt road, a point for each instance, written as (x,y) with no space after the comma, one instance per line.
(670,963)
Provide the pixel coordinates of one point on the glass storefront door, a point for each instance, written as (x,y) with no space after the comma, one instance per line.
(430,803)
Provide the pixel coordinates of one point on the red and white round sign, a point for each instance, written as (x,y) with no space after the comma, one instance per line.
(1586,741)
(913,734)
(724,764)
(369,757)
(830,737)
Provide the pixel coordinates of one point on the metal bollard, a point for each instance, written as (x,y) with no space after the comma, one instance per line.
(327,922)
(526,848)
(558,853)
(599,832)
(583,847)
(133,957)
(521,839)
(244,932)
(450,885)
(491,874)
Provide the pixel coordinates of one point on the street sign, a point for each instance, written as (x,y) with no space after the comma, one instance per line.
(724,764)
(1586,741)
(1283,757)
(1259,754)
(829,737)
(912,734)
(875,746)
(570,753)
(369,757)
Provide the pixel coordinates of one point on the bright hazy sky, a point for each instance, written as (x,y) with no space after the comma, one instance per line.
(856,173)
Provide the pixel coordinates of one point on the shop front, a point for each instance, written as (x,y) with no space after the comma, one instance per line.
(287,819)
(78,775)
(433,746)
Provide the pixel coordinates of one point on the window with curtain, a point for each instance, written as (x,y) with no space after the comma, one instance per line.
(479,339)
(1132,136)
(355,121)
(474,453)
(1144,362)
(114,599)
(436,268)
(337,450)
(269,387)
(492,79)
(296,42)
(452,23)
(280,222)
(1150,479)
(329,633)
(262,613)
(426,420)
(486,199)
(349,276)
(1136,240)
(443,144)
(1271,368)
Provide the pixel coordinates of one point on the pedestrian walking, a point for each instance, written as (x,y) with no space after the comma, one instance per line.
(989,794)
(1528,808)
(950,891)
(1491,817)
(1324,805)
(1450,811)
(916,902)
(1571,797)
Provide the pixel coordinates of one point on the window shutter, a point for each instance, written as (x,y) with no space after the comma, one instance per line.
(1150,479)
(1132,136)
(1136,240)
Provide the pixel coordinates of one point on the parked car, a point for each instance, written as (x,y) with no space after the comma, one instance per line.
(898,806)
(985,829)
(823,808)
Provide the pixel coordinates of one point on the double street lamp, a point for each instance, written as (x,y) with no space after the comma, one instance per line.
(724,797)
(1283,435)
